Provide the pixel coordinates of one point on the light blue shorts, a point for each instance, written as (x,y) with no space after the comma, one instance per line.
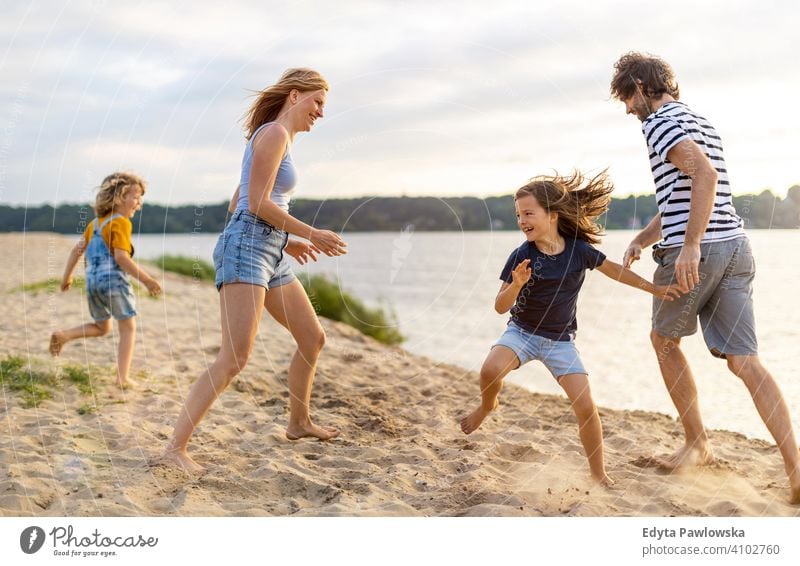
(251,251)
(560,358)
(115,300)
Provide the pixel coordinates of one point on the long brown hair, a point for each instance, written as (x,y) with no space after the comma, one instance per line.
(113,189)
(270,101)
(652,75)
(577,201)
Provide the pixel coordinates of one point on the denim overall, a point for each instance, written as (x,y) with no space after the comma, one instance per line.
(107,287)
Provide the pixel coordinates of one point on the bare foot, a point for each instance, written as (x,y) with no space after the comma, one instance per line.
(126,384)
(179,459)
(296,432)
(794,497)
(604,481)
(794,486)
(56,343)
(472,421)
(684,457)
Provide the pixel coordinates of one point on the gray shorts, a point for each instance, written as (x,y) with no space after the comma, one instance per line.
(723,300)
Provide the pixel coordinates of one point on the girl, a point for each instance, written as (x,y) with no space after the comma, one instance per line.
(107,244)
(541,280)
(250,260)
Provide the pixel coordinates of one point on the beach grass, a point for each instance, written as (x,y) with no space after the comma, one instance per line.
(332,302)
(35,382)
(50,285)
(183,265)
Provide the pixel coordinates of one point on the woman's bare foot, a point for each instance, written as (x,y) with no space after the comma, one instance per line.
(686,456)
(179,459)
(472,421)
(604,480)
(56,343)
(296,432)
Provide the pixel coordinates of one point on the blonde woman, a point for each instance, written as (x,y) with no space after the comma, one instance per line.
(252,270)
(109,252)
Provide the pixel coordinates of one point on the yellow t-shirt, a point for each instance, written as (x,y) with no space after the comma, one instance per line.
(116,234)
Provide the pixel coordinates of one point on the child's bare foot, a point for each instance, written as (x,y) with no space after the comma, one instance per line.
(126,384)
(472,421)
(179,459)
(296,432)
(684,457)
(56,343)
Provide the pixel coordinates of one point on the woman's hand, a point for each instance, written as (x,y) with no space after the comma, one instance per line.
(301,251)
(328,242)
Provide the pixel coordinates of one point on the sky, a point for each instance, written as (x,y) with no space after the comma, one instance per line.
(427,98)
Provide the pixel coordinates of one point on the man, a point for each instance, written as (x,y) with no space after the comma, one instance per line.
(700,244)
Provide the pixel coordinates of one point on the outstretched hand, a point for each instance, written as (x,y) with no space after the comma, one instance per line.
(667,292)
(328,242)
(302,251)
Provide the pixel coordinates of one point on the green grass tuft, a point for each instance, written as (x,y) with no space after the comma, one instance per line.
(80,377)
(190,267)
(48,286)
(33,385)
(330,301)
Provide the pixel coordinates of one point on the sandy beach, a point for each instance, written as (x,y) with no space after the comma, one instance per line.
(401,452)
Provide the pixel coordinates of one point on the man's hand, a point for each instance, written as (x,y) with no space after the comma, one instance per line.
(633,253)
(687,267)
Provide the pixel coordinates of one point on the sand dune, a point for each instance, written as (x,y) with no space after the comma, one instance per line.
(400,453)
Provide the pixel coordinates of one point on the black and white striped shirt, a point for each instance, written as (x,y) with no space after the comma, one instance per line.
(663,129)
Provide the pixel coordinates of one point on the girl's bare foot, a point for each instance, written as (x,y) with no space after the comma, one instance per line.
(126,384)
(56,343)
(605,481)
(296,432)
(472,421)
(686,456)
(179,459)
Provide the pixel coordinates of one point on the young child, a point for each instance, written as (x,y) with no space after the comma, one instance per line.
(541,280)
(107,244)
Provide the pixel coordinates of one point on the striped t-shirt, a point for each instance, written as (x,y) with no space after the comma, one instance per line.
(663,129)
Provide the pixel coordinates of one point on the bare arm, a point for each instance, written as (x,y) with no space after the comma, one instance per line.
(508,291)
(268,151)
(126,263)
(690,159)
(624,275)
(234,200)
(74,255)
(647,237)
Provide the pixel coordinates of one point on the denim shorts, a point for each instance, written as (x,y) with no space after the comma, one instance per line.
(723,300)
(109,300)
(251,251)
(560,358)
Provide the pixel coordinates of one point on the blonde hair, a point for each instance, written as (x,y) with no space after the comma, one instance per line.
(577,201)
(270,101)
(113,189)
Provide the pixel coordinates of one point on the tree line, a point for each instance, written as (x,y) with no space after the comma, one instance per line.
(764,210)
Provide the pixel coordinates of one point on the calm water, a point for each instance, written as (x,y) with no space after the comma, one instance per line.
(442,287)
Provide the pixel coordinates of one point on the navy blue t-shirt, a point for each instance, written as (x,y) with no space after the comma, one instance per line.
(547,304)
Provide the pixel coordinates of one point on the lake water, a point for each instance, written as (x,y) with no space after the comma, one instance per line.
(442,285)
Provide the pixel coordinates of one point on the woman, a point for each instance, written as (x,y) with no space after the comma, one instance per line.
(251,269)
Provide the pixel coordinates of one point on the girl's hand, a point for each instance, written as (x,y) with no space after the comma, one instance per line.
(302,251)
(666,292)
(153,288)
(328,242)
(521,273)
(66,284)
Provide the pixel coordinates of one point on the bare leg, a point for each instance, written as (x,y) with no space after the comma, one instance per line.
(240,306)
(127,338)
(680,384)
(772,407)
(88,330)
(590,430)
(289,305)
(498,363)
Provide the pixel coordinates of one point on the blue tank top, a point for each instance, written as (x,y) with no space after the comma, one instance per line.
(285,180)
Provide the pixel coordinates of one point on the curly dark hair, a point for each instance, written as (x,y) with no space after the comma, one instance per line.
(652,74)
(578,201)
